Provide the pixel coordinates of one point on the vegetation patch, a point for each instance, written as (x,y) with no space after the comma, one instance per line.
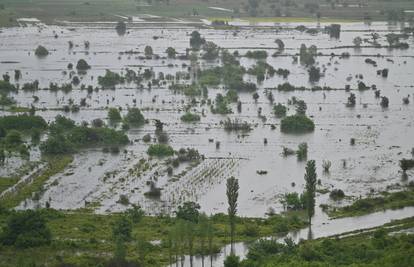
(297,124)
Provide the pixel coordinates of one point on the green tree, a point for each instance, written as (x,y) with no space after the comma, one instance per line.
(41,51)
(148,51)
(232,193)
(114,115)
(122,229)
(134,117)
(232,261)
(310,187)
(171,52)
(196,41)
(26,229)
(189,211)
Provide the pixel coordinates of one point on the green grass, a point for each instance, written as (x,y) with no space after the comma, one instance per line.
(6,182)
(84,238)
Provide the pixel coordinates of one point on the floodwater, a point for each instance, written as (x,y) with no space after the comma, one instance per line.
(96,179)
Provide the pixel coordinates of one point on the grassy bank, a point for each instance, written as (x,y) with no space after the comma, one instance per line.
(382,246)
(385,200)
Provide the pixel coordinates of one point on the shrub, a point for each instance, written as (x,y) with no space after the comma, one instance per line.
(171,52)
(66,141)
(56,144)
(135,213)
(123,199)
(148,51)
(160,150)
(406,164)
(110,79)
(121,28)
(146,138)
(302,151)
(232,261)
(122,229)
(82,65)
(384,102)
(326,165)
(292,201)
(236,125)
(13,138)
(189,211)
(190,117)
(337,194)
(26,229)
(22,122)
(287,151)
(114,115)
(257,54)
(297,124)
(279,110)
(134,117)
(41,51)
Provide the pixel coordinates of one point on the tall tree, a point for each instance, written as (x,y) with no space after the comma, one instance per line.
(232,195)
(310,179)
(203,224)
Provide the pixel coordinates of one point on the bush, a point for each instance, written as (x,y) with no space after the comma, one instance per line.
(406,164)
(110,80)
(190,117)
(171,52)
(122,229)
(114,115)
(41,51)
(236,125)
(57,144)
(121,28)
(66,141)
(232,261)
(22,122)
(146,138)
(337,194)
(257,54)
(134,117)
(160,150)
(292,201)
(13,138)
(82,65)
(279,110)
(189,211)
(297,124)
(302,151)
(26,229)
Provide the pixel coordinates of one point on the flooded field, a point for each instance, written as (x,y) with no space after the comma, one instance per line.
(97,180)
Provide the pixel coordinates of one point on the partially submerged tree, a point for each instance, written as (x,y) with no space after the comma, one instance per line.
(41,51)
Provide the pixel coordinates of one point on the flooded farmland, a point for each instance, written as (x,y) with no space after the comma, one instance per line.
(96,179)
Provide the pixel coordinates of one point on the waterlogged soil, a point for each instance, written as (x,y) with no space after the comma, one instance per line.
(96,180)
